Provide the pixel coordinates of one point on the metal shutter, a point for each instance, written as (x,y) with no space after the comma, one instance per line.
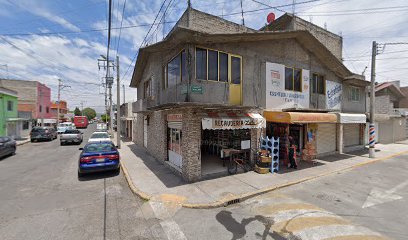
(176,125)
(326,138)
(351,133)
(385,132)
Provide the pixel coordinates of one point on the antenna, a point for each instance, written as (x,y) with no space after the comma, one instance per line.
(294,7)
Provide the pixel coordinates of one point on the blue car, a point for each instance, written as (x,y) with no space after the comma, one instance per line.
(98,157)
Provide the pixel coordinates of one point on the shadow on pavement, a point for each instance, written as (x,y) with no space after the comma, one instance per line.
(98,175)
(162,172)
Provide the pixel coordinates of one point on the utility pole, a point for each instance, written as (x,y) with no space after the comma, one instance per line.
(82,108)
(123,87)
(117,102)
(372,102)
(42,107)
(60,87)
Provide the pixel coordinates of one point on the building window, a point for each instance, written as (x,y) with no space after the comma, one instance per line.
(175,71)
(47,109)
(236,70)
(215,66)
(9,106)
(354,94)
(201,63)
(318,84)
(147,88)
(293,79)
(40,108)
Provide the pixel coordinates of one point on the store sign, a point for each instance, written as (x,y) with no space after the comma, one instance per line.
(233,123)
(174,117)
(276,95)
(334,92)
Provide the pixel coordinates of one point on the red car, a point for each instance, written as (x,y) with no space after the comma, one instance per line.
(81,121)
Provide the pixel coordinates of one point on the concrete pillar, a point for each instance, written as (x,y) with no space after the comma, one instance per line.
(340,136)
(191,146)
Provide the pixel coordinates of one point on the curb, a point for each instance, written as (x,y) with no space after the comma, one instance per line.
(246,196)
(22,143)
(135,190)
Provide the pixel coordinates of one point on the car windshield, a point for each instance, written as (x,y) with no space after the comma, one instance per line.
(4,139)
(99,147)
(100,135)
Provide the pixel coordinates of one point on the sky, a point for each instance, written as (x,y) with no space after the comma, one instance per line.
(47,40)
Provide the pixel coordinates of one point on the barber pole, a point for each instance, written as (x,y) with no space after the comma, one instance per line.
(372,136)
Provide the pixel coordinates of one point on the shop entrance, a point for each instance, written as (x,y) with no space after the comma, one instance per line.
(284,131)
(216,146)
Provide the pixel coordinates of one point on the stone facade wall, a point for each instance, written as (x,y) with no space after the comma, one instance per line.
(157,135)
(382,104)
(191,145)
(138,129)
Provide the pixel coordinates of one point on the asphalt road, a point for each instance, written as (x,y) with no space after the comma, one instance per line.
(41,197)
(369,202)
(375,196)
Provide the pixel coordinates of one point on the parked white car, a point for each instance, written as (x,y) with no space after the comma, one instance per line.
(101,127)
(99,137)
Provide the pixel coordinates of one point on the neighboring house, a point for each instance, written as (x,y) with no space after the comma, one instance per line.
(10,124)
(63,110)
(212,85)
(390,119)
(34,97)
(127,117)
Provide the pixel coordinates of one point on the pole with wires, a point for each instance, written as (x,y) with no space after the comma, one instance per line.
(372,102)
(117,102)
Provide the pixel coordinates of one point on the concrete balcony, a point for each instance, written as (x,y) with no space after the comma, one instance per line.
(143,105)
(399,112)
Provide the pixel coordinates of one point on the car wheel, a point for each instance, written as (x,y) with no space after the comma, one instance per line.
(80,175)
(32,140)
(61,143)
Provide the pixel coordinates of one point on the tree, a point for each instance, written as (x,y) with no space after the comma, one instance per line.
(89,113)
(77,112)
(105,117)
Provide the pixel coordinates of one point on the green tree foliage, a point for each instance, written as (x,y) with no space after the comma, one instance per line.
(89,113)
(77,112)
(105,117)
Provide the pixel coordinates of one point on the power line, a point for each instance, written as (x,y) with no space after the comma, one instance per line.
(121,24)
(134,58)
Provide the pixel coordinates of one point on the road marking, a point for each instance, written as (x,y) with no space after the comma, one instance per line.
(324,232)
(302,223)
(271,209)
(169,226)
(358,237)
(291,214)
(378,196)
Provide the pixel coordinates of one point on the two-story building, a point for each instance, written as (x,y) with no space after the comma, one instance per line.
(34,100)
(212,85)
(390,119)
(63,110)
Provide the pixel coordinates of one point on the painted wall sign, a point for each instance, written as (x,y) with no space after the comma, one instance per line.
(174,117)
(276,95)
(233,123)
(334,92)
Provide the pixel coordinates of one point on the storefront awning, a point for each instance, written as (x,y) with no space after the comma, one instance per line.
(351,118)
(216,121)
(300,117)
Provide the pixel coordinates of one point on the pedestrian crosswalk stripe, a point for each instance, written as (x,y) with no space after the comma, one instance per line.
(358,237)
(302,223)
(324,232)
(291,214)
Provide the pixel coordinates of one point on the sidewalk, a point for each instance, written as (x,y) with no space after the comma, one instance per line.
(22,141)
(152,180)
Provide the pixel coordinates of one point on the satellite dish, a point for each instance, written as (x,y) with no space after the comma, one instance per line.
(270,18)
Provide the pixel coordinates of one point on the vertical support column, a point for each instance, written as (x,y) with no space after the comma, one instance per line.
(191,146)
(340,138)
